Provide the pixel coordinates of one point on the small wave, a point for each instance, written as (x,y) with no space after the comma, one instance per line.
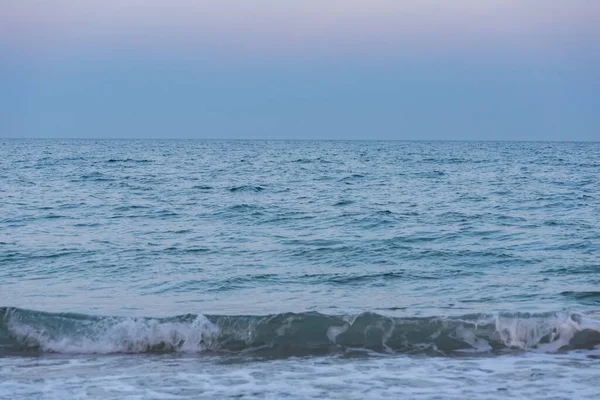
(565,271)
(303,161)
(95,176)
(343,203)
(384,212)
(131,207)
(127,160)
(202,187)
(293,334)
(431,174)
(361,279)
(349,179)
(584,297)
(246,188)
(55,216)
(245,208)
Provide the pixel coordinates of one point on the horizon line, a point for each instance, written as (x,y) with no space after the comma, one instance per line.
(306,139)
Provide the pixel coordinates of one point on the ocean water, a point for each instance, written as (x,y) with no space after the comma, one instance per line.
(299,269)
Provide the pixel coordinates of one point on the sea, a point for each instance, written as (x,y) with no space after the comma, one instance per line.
(216,269)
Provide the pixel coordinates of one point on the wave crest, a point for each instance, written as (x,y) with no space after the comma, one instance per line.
(293,334)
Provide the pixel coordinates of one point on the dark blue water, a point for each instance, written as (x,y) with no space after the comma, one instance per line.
(462,264)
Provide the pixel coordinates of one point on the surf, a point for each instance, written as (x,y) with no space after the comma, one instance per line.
(296,334)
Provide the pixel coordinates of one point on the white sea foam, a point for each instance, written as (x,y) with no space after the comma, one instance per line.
(531,376)
(128,335)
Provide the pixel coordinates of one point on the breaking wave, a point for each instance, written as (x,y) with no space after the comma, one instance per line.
(294,334)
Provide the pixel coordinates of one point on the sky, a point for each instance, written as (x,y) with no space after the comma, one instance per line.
(310,69)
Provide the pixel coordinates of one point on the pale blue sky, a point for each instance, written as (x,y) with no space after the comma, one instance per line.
(381,69)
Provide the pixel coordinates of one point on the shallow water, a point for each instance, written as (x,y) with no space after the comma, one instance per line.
(270,269)
(168,377)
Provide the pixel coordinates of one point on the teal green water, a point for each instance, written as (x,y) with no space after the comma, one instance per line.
(255,253)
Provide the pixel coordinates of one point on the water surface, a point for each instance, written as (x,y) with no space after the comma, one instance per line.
(272,269)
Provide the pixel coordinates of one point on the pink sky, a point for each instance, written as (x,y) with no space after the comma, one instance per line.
(296,26)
